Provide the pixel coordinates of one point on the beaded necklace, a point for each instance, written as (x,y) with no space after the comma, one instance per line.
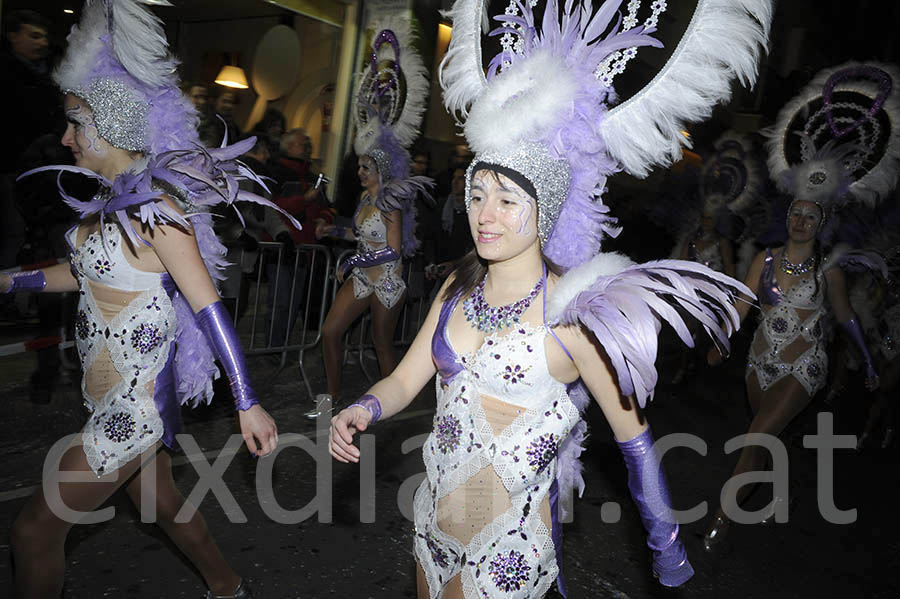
(789,268)
(489,319)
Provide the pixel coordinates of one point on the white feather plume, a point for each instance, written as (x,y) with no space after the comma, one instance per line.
(139,41)
(881,180)
(406,128)
(84,42)
(536,92)
(461,74)
(723,41)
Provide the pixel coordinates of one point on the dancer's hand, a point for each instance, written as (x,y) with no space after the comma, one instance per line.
(713,357)
(259,431)
(343,427)
(5,283)
(872,380)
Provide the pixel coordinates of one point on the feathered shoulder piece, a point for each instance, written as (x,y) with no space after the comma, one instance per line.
(624,305)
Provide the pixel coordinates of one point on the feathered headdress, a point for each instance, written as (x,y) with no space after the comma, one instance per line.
(839,138)
(390,103)
(551,88)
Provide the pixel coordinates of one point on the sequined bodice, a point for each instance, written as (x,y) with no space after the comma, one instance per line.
(371,232)
(385,280)
(802,295)
(124,331)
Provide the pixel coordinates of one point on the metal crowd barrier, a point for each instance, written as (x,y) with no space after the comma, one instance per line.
(300,283)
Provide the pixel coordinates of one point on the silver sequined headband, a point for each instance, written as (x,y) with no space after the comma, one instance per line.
(121,117)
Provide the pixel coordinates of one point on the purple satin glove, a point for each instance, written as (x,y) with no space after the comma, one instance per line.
(854,331)
(370,403)
(27,280)
(215,323)
(369,259)
(650,492)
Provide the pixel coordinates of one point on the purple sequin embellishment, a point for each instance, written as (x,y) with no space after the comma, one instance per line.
(770,371)
(514,374)
(448,432)
(119,427)
(102,266)
(813,370)
(780,325)
(541,451)
(146,338)
(438,555)
(509,571)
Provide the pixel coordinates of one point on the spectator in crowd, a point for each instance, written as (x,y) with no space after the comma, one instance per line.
(462,156)
(224,108)
(272,126)
(298,195)
(24,77)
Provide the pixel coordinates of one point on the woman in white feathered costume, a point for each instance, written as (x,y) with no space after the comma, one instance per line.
(515,346)
(149,322)
(822,153)
(390,103)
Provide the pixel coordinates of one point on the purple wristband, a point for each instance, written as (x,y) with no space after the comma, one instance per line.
(215,323)
(27,280)
(369,259)
(650,492)
(371,403)
(854,331)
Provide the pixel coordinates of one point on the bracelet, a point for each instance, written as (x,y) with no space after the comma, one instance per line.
(27,280)
(370,403)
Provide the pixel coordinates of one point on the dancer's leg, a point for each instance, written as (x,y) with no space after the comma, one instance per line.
(778,406)
(39,532)
(384,323)
(192,536)
(345,309)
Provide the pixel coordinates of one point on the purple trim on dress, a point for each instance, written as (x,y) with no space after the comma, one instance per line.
(556,535)
(769,292)
(164,396)
(442,352)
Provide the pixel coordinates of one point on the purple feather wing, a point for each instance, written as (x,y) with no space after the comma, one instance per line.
(625,311)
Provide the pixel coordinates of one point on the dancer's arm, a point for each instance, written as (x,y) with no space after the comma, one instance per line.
(178,253)
(646,478)
(56,279)
(846,317)
(727,252)
(392,393)
(744,303)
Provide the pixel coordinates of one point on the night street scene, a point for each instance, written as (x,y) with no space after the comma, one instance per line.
(450,299)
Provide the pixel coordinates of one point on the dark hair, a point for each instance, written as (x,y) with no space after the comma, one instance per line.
(272,115)
(187,86)
(15,19)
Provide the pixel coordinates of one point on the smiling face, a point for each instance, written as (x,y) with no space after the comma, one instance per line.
(804,220)
(502,217)
(367,172)
(82,137)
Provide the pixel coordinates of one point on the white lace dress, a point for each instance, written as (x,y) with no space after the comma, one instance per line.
(124,330)
(483,511)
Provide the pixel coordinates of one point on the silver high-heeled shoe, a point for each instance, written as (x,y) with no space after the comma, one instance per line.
(241,592)
(714,537)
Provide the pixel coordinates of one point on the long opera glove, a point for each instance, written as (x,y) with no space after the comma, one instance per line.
(650,492)
(215,323)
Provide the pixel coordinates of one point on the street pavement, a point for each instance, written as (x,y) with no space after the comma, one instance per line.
(345,557)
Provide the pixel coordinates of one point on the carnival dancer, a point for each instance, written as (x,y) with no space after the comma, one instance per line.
(143,261)
(516,347)
(390,103)
(821,152)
